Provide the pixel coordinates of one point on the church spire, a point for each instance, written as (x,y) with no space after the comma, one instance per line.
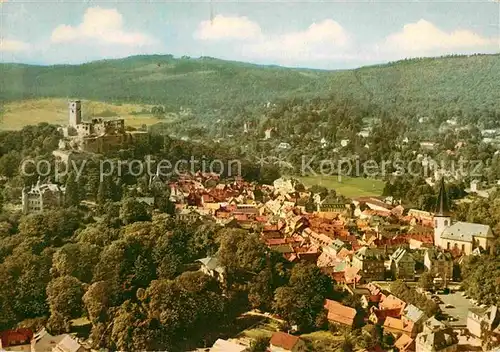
(442,207)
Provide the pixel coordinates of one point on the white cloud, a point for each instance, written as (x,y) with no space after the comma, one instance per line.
(10,45)
(424,38)
(228,27)
(101,25)
(325,40)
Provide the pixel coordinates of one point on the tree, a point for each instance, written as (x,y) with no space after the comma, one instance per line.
(64,295)
(96,301)
(426,281)
(132,211)
(72,194)
(77,260)
(302,300)
(260,344)
(106,190)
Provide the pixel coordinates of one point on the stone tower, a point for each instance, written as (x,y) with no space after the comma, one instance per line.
(75,113)
(442,217)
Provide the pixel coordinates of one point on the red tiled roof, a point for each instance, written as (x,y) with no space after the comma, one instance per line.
(276,241)
(398,324)
(284,340)
(15,337)
(404,343)
(392,302)
(382,314)
(339,313)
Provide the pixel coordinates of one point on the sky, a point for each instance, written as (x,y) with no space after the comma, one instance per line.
(314,34)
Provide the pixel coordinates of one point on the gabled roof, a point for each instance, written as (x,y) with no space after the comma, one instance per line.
(211,263)
(392,302)
(465,231)
(399,324)
(404,343)
(413,313)
(339,313)
(438,340)
(284,340)
(68,344)
(401,253)
(12,337)
(227,346)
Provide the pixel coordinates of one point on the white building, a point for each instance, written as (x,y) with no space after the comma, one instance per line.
(42,197)
(465,236)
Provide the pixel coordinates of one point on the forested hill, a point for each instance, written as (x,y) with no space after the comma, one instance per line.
(462,82)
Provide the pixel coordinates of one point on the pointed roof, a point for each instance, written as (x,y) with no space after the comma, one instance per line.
(442,207)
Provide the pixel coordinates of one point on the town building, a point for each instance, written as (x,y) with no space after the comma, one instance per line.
(437,341)
(283,342)
(439,263)
(12,339)
(42,196)
(210,266)
(227,346)
(403,265)
(45,342)
(479,319)
(340,314)
(370,261)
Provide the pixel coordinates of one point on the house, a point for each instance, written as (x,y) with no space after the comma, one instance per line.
(433,325)
(284,145)
(368,301)
(392,302)
(370,261)
(68,344)
(402,265)
(427,145)
(400,326)
(333,205)
(415,315)
(190,215)
(378,316)
(9,338)
(405,344)
(340,314)
(439,263)
(227,346)
(45,342)
(479,319)
(210,266)
(41,197)
(283,342)
(437,341)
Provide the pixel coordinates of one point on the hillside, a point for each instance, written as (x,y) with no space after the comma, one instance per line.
(459,82)
(17,114)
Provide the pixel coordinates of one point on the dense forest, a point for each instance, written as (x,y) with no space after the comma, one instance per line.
(213,87)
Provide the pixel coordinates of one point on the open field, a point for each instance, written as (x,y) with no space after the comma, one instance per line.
(18,114)
(347,186)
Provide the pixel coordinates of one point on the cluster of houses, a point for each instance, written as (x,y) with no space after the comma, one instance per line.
(412,329)
(24,340)
(356,242)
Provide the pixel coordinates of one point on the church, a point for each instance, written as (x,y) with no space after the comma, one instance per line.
(465,236)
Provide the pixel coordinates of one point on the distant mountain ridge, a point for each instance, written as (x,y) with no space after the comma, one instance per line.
(467,82)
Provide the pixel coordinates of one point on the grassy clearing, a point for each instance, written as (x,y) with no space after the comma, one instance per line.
(18,114)
(348,186)
(323,341)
